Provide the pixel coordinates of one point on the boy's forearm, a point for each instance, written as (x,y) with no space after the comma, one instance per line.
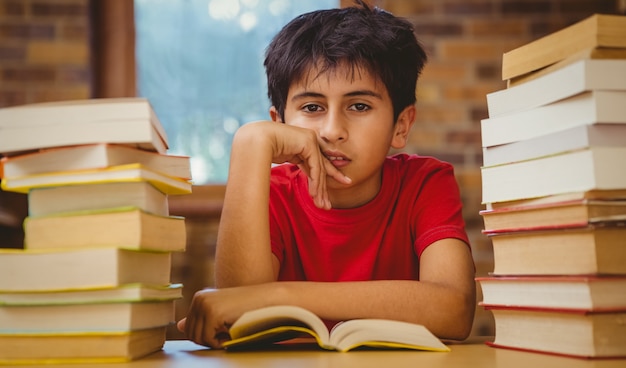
(243,249)
(445,311)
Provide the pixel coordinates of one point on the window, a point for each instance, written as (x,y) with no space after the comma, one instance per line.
(200,63)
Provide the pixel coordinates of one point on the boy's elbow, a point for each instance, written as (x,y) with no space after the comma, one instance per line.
(461,321)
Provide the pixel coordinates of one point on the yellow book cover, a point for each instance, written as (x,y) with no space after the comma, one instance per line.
(598,30)
(121,173)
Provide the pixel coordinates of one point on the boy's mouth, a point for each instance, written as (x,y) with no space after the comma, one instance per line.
(337,159)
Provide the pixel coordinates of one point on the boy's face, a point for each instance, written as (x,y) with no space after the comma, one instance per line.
(352,113)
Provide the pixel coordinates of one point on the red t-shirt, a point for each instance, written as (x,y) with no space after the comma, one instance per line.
(417,205)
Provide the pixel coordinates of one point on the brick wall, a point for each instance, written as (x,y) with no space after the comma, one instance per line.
(45,51)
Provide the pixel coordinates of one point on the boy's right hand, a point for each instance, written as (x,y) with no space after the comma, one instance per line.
(300,146)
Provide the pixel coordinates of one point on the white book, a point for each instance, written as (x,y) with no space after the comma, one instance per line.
(595,168)
(583,109)
(572,139)
(52,124)
(93,156)
(578,77)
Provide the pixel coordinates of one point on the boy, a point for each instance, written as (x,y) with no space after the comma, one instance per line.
(350,233)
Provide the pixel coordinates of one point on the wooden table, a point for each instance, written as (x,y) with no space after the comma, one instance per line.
(185,354)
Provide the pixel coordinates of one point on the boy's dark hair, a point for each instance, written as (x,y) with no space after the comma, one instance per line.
(365,37)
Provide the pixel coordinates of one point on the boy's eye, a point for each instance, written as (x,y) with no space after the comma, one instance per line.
(311,108)
(359,107)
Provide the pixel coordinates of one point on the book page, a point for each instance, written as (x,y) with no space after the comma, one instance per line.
(277,323)
(384,334)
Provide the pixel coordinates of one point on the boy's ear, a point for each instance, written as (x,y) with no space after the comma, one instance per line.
(275,115)
(403,127)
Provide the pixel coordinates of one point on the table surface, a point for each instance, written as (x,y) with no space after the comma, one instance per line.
(474,353)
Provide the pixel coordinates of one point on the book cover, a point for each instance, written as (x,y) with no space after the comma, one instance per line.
(125,227)
(79,347)
(97,197)
(588,108)
(598,30)
(588,53)
(566,214)
(578,77)
(594,168)
(135,292)
(82,268)
(579,292)
(122,173)
(93,156)
(86,317)
(589,195)
(561,251)
(575,333)
(115,120)
(549,144)
(281,323)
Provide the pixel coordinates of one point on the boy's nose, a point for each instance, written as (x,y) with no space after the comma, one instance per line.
(333,128)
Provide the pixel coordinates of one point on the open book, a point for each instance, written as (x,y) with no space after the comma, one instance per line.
(284,322)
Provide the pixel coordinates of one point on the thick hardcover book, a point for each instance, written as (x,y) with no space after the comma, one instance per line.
(123,173)
(596,249)
(575,333)
(573,213)
(588,108)
(82,268)
(126,227)
(130,121)
(578,77)
(93,156)
(572,139)
(97,197)
(80,347)
(598,30)
(86,317)
(594,168)
(588,292)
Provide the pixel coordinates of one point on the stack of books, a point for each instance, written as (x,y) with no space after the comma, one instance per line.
(554,187)
(92,283)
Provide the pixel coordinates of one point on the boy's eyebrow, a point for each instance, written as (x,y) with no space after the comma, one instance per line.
(364,92)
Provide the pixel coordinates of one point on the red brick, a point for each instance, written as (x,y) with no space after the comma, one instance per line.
(495,27)
(588,7)
(12,53)
(12,7)
(73,75)
(443,114)
(407,8)
(441,71)
(29,74)
(12,98)
(468,7)
(59,8)
(74,32)
(527,7)
(438,28)
(475,92)
(27,31)
(488,71)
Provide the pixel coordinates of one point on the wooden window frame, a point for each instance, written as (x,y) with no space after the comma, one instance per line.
(114,75)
